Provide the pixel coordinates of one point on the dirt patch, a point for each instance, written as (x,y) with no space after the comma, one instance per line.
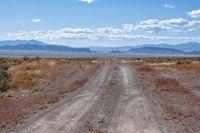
(180,104)
(37,84)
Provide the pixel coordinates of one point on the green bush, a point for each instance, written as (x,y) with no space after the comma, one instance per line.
(1,95)
(26,58)
(4,80)
(179,62)
(37,58)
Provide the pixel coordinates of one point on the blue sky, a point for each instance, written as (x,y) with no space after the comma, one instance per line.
(101,22)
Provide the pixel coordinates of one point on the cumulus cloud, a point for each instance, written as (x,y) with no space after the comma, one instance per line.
(193,25)
(174,22)
(88,1)
(168,6)
(109,30)
(128,27)
(61,34)
(103,34)
(194,13)
(126,32)
(76,30)
(37,20)
(156,26)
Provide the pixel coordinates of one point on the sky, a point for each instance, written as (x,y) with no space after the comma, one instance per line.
(104,23)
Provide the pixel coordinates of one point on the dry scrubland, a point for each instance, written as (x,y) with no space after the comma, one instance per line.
(170,93)
(175,86)
(29,84)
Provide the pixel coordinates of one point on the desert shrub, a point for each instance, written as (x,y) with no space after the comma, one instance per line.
(167,84)
(37,58)
(1,95)
(4,66)
(4,80)
(26,58)
(179,62)
(146,68)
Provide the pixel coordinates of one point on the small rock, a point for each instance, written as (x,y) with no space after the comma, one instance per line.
(100,121)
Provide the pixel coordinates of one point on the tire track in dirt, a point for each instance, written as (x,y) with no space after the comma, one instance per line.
(66,114)
(110,102)
(98,118)
(133,114)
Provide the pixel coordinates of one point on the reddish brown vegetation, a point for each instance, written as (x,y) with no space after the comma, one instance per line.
(145,68)
(178,102)
(191,68)
(29,75)
(167,84)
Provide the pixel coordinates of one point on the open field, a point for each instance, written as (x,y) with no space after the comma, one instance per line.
(142,95)
(36,83)
(174,83)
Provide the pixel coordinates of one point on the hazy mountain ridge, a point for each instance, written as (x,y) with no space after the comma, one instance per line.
(38,46)
(186,47)
(156,50)
(191,48)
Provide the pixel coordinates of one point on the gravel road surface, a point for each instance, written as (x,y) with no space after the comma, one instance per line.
(110,102)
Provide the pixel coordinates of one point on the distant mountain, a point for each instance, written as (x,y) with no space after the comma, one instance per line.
(115,51)
(186,47)
(38,46)
(156,50)
(110,49)
(193,53)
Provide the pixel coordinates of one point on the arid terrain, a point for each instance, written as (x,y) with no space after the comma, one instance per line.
(139,95)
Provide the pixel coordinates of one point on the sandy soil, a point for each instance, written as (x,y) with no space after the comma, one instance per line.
(112,101)
(117,99)
(173,93)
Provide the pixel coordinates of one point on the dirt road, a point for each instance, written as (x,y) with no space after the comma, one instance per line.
(110,102)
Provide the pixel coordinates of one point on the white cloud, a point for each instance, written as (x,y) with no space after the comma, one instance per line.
(88,1)
(174,22)
(149,22)
(37,20)
(76,30)
(193,25)
(127,32)
(194,13)
(109,30)
(128,27)
(58,35)
(103,34)
(168,6)
(153,28)
(156,26)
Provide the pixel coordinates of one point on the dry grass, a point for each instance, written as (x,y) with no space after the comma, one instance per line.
(177,101)
(190,68)
(29,75)
(146,68)
(167,84)
(191,65)
(143,67)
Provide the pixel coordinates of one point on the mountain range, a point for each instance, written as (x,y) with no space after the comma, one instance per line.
(156,50)
(191,48)
(186,47)
(38,46)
